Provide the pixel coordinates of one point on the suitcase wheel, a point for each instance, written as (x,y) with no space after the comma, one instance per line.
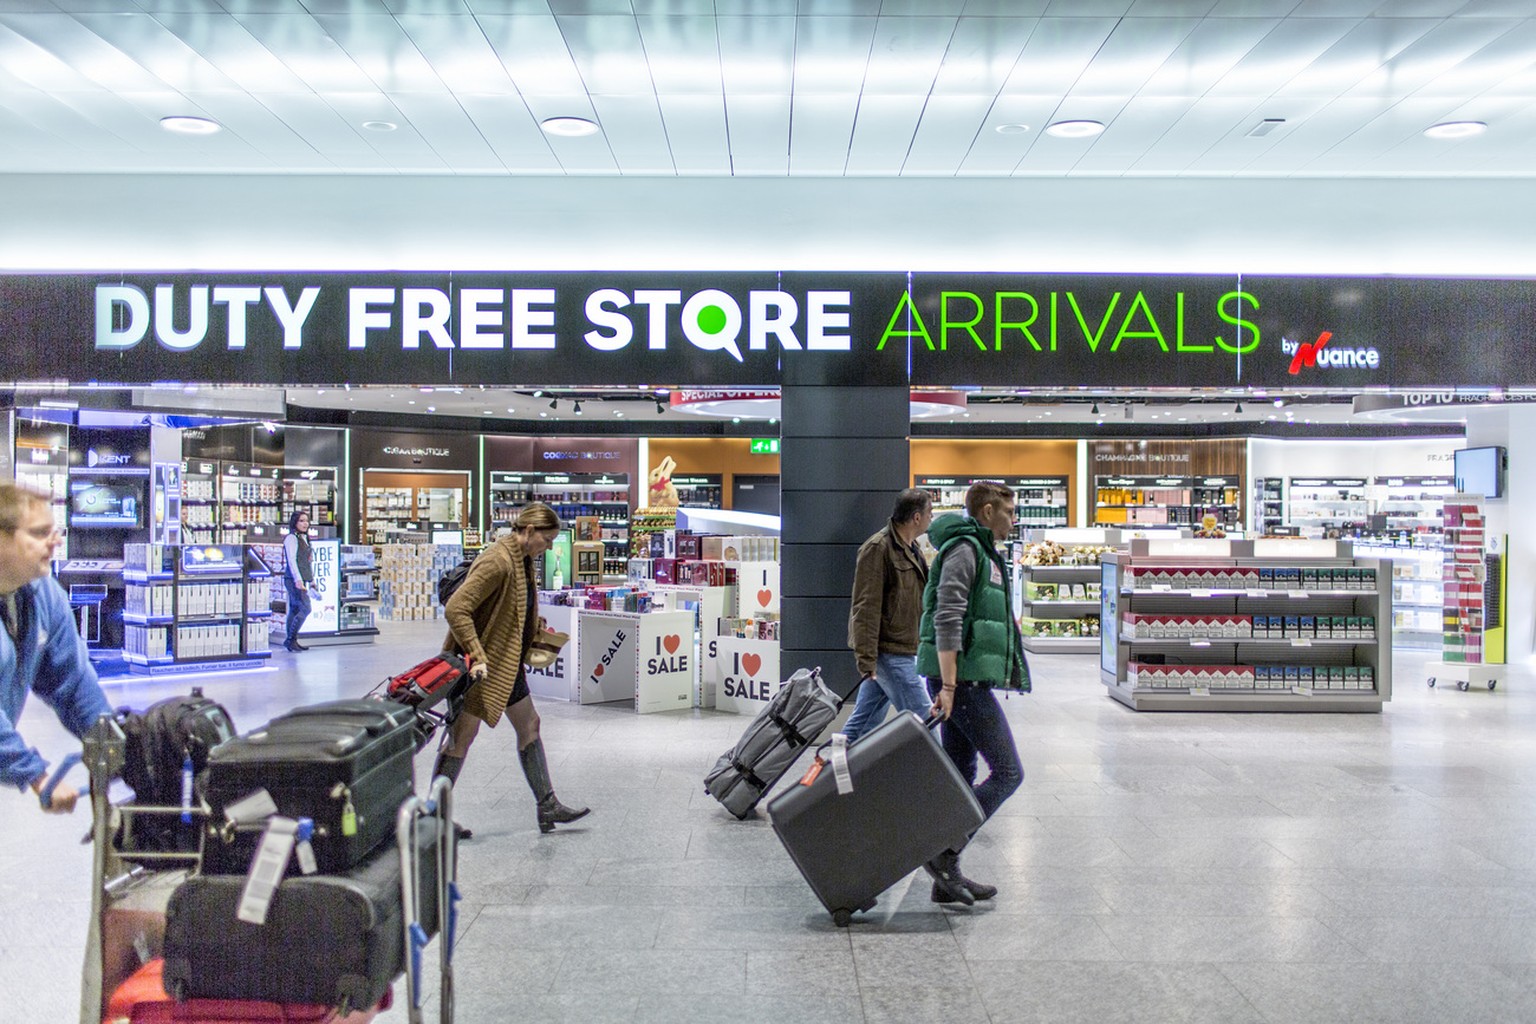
(842,917)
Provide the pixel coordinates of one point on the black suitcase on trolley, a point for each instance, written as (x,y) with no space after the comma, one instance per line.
(908,805)
(775,739)
(346,765)
(328,939)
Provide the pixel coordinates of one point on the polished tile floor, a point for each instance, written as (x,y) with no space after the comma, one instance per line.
(1173,867)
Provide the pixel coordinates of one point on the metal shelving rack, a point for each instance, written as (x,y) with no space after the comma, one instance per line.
(1350,654)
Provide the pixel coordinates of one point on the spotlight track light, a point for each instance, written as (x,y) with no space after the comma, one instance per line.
(1238,409)
(576,408)
(554,403)
(1095,409)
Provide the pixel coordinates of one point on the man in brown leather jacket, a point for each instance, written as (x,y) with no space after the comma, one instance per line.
(888,581)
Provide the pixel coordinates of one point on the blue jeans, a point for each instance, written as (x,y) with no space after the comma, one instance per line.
(298,609)
(976,726)
(895,682)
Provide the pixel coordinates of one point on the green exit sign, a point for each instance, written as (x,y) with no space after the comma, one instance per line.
(765,446)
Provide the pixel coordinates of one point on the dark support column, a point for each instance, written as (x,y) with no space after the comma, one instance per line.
(843,458)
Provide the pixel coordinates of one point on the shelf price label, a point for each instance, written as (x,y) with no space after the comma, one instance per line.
(1301,642)
(1199,691)
(1302,691)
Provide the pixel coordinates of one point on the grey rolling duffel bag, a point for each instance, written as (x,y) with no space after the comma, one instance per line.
(780,733)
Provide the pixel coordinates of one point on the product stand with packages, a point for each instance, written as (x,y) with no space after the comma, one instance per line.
(1261,625)
(200,518)
(1056,588)
(1475,586)
(191,606)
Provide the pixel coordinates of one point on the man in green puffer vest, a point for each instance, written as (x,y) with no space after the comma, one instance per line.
(968,644)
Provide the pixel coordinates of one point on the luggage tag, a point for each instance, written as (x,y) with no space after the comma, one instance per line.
(251,808)
(186,790)
(840,764)
(303,849)
(267,869)
(814,771)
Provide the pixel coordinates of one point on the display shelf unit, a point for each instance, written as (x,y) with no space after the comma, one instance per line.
(573,495)
(701,490)
(1408,509)
(647,521)
(1167,500)
(249,495)
(1039,501)
(200,517)
(46,470)
(394,500)
(194,606)
(309,489)
(1327,507)
(1052,624)
(1417,595)
(1191,625)
(1268,504)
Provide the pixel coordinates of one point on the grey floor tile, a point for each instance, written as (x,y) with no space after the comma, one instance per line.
(984,936)
(1400,993)
(1119,993)
(939,992)
(737,1008)
(1187,940)
(654,972)
(590,927)
(829,972)
(756,928)
(1440,940)
(1196,899)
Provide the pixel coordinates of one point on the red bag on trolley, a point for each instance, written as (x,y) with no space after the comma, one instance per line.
(441,678)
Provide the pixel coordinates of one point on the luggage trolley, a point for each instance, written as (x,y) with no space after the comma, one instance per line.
(437,805)
(127,899)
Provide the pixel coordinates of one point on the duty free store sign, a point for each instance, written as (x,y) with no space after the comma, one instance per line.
(728,329)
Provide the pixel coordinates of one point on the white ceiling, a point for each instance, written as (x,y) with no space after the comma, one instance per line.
(856,88)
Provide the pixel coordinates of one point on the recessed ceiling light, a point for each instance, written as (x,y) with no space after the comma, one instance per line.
(190,125)
(1455,129)
(380,126)
(411,402)
(1011,129)
(431,408)
(485,412)
(568,126)
(1075,129)
(543,414)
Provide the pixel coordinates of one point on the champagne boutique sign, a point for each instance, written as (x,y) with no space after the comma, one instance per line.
(743,329)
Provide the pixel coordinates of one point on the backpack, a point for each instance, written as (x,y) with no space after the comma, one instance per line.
(163,741)
(452,580)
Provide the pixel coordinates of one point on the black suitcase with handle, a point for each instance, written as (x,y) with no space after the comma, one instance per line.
(346,765)
(908,804)
(336,940)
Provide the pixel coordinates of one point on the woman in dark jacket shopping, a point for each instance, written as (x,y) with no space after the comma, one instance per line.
(493,617)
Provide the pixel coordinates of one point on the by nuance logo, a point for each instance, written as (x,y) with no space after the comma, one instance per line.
(94,458)
(1317,353)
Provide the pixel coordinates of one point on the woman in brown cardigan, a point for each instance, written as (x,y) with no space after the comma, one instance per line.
(493,618)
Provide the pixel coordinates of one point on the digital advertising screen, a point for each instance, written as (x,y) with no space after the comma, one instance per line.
(106,504)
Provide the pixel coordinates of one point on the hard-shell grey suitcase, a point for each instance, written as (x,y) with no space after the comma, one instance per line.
(780,733)
(908,804)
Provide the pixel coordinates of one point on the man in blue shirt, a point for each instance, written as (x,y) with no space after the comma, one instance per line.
(40,647)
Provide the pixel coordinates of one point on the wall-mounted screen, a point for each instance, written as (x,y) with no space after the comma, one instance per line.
(1480,471)
(110,504)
